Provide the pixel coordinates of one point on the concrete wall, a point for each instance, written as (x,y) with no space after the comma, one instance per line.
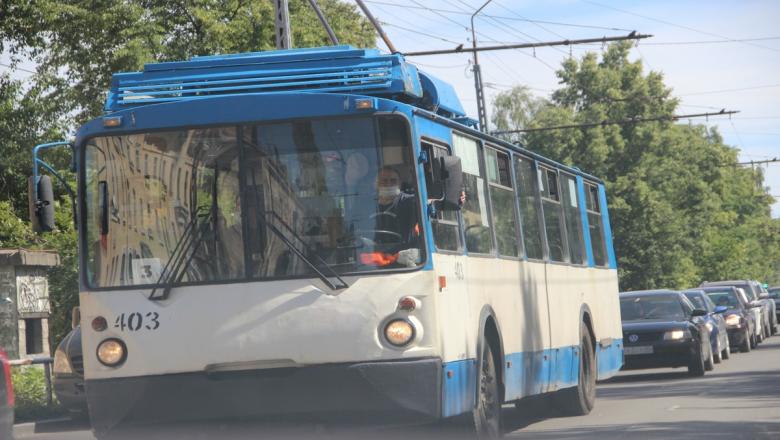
(28,288)
(9,338)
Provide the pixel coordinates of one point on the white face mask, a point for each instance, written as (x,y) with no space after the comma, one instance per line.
(388,191)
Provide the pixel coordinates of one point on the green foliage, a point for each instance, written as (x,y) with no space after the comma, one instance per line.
(681,210)
(30,390)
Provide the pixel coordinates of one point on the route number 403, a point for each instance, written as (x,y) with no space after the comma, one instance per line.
(137,321)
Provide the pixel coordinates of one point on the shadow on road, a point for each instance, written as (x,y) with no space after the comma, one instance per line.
(692,430)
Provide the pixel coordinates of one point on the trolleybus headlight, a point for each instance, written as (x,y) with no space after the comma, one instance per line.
(399,332)
(111,352)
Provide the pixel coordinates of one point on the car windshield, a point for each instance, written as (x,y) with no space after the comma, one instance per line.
(727,298)
(697,300)
(666,307)
(774,292)
(252,202)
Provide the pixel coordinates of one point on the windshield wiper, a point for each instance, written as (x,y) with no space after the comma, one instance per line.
(173,271)
(325,278)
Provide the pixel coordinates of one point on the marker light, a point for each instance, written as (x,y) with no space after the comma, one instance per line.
(675,335)
(408,304)
(364,104)
(399,332)
(112,121)
(99,324)
(111,352)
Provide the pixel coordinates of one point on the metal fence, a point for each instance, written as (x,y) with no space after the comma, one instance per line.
(46,362)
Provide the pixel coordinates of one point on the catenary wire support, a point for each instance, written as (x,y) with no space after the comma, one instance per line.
(478,87)
(283,34)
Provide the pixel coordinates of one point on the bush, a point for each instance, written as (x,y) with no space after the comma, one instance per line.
(30,390)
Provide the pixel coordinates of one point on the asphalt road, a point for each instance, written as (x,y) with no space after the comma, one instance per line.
(740,399)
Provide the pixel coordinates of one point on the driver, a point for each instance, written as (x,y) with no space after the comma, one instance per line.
(396,210)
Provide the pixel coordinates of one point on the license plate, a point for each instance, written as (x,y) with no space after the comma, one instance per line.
(642,349)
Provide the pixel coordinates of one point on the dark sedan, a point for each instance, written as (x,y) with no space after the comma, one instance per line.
(765,327)
(714,321)
(740,321)
(6,399)
(663,329)
(68,374)
(774,293)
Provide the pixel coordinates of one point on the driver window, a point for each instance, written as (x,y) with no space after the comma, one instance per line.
(479,238)
(446,231)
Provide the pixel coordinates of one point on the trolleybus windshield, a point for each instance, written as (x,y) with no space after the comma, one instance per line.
(342,190)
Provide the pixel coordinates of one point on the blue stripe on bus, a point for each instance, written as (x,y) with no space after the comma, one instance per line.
(585,225)
(458,391)
(609,359)
(525,374)
(607,227)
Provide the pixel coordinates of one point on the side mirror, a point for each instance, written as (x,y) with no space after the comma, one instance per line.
(448,183)
(75,317)
(698,312)
(763,295)
(721,309)
(40,199)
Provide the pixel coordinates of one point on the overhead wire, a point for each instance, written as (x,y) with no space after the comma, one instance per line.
(678,25)
(741,89)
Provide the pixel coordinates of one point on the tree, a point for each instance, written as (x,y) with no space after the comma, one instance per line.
(681,210)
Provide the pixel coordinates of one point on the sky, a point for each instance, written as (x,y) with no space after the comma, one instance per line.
(693,46)
(707,77)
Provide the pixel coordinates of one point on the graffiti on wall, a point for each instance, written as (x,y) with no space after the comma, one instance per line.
(33,291)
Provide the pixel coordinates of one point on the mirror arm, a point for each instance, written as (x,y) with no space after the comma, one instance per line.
(37,162)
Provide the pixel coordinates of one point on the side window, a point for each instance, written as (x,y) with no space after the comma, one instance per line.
(474,211)
(501,201)
(446,233)
(553,218)
(593,208)
(529,212)
(571,210)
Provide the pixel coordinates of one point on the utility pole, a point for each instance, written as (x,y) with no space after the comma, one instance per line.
(481,107)
(283,35)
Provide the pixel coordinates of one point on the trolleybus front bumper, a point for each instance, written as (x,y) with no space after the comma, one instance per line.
(403,391)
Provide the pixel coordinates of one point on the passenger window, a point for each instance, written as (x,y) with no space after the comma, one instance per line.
(529,212)
(475,214)
(553,218)
(593,208)
(501,201)
(446,231)
(571,210)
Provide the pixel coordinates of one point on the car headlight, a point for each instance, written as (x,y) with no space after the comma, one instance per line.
(61,363)
(111,352)
(733,320)
(708,325)
(676,335)
(399,332)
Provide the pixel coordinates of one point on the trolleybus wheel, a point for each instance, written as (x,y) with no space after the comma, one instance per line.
(580,400)
(487,414)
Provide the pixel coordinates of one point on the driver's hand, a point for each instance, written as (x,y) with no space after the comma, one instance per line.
(408,257)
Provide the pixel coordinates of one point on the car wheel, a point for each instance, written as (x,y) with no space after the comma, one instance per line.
(579,400)
(709,363)
(747,344)
(696,367)
(726,353)
(487,414)
(753,340)
(716,355)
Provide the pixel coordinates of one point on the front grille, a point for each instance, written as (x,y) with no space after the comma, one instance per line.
(77,362)
(643,337)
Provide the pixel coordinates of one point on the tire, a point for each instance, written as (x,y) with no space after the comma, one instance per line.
(580,400)
(753,340)
(747,344)
(696,367)
(487,414)
(717,355)
(726,353)
(709,362)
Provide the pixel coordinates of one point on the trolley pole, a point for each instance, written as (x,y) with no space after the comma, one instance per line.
(282,14)
(481,107)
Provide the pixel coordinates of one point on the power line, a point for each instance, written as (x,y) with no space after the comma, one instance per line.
(631,36)
(528,20)
(435,37)
(759,162)
(635,120)
(17,68)
(711,92)
(677,25)
(740,40)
